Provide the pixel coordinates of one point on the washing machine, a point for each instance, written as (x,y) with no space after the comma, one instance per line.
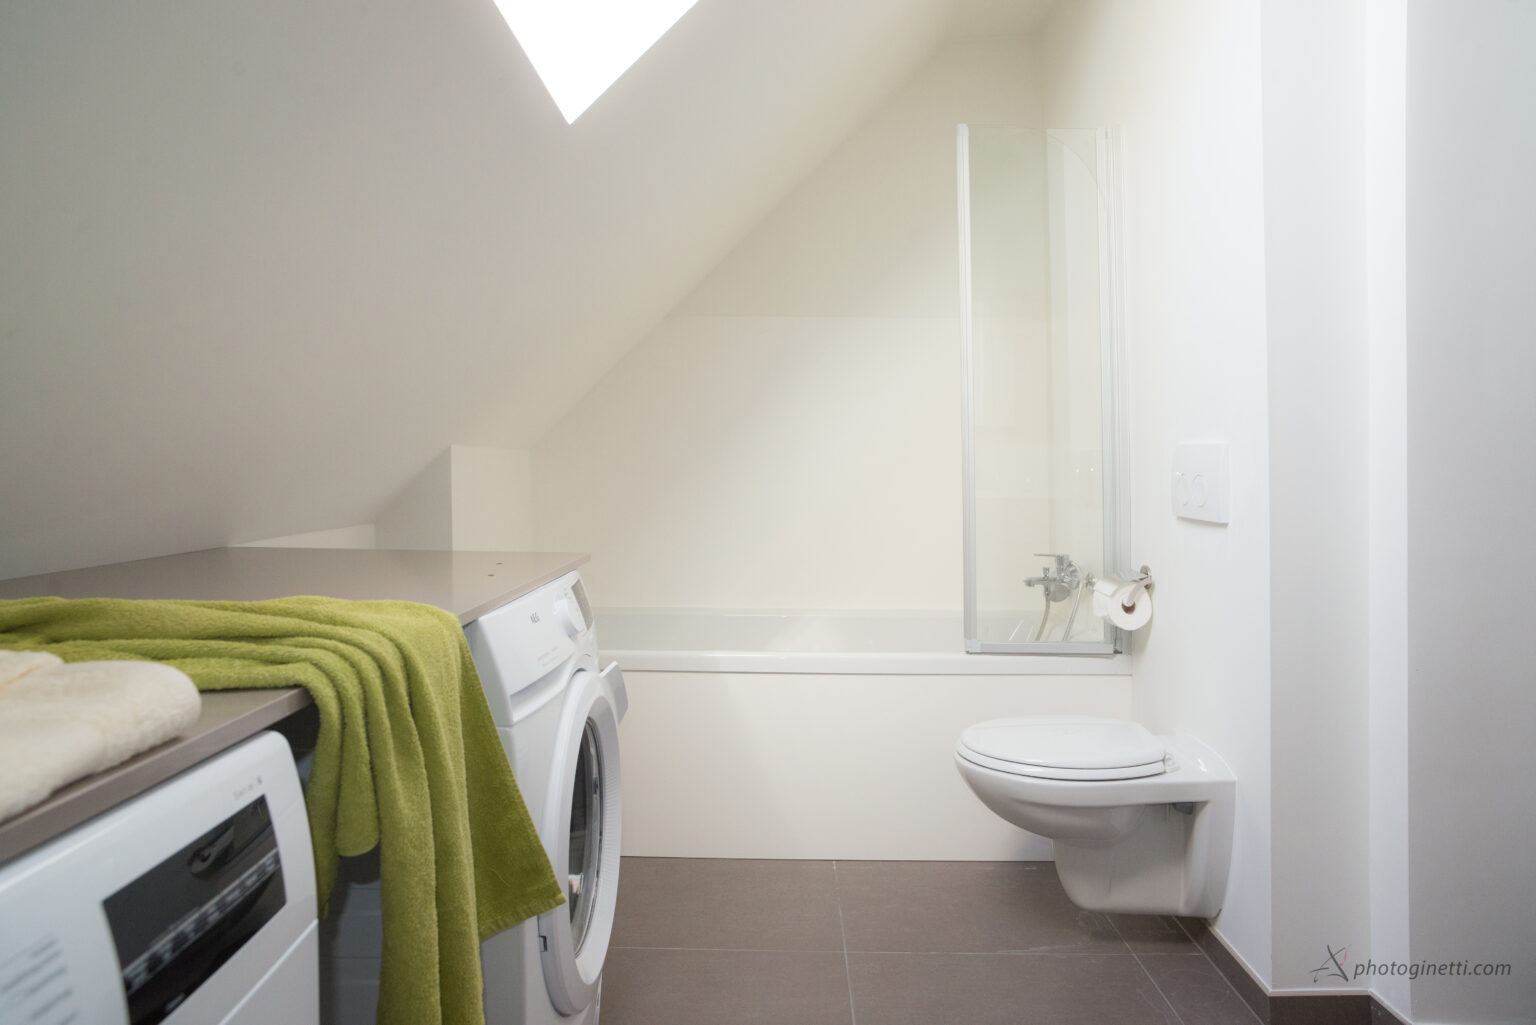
(191,904)
(558,715)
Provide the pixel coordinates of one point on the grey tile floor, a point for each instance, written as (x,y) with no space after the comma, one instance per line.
(707,942)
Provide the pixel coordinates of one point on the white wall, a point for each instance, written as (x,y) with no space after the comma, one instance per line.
(358,535)
(263,262)
(492,499)
(1315,251)
(789,436)
(421,514)
(1386,86)
(1471,239)
(1182,80)
(774,765)
(470,498)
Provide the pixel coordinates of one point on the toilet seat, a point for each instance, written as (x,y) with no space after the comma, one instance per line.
(1067,747)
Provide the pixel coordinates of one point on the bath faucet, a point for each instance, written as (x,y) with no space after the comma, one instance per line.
(1065,577)
(1059,580)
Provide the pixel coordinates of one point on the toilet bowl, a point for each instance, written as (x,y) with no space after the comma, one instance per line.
(1140,824)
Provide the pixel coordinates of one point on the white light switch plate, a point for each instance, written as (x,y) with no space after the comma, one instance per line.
(1200,485)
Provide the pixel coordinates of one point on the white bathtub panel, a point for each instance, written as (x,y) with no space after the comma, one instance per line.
(767,765)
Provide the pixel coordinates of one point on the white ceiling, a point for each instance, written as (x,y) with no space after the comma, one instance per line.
(264,261)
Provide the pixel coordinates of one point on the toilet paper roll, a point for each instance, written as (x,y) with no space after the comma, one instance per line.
(1104,590)
(1111,601)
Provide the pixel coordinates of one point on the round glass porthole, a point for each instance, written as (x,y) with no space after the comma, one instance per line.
(586,836)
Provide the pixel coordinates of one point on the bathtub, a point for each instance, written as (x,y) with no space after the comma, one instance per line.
(881,643)
(824,736)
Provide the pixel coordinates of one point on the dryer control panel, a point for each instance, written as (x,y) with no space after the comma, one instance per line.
(177,906)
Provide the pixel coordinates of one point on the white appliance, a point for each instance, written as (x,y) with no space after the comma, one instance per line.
(559,718)
(191,904)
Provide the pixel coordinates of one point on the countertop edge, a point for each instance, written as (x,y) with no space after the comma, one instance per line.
(227,718)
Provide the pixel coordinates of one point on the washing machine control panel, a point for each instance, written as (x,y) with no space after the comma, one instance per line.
(568,615)
(521,643)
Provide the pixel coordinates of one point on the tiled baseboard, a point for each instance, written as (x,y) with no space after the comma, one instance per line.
(1288,1009)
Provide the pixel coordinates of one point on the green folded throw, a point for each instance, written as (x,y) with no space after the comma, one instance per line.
(407,758)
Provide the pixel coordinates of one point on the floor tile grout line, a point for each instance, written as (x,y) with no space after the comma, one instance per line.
(1139,964)
(837,893)
(1223,975)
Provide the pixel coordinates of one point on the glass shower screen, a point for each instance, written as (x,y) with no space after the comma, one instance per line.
(1040,354)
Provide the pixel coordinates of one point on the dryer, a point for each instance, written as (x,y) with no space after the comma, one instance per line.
(191,904)
(558,717)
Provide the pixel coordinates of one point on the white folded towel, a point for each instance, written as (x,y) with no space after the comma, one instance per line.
(16,664)
(62,721)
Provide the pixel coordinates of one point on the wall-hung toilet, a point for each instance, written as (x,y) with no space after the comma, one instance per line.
(1140,824)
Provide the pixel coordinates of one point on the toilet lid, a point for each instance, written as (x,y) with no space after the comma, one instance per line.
(1065,747)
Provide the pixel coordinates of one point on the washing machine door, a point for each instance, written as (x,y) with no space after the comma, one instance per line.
(585,815)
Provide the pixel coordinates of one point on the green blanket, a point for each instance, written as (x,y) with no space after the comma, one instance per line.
(407,758)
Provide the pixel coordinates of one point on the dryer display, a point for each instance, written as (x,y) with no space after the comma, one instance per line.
(176,924)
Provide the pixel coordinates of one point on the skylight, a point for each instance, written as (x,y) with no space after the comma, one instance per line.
(581,47)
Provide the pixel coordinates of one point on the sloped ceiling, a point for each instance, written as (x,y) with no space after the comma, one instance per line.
(263,261)
(981,19)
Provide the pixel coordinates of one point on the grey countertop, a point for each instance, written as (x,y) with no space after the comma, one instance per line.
(468,584)
(227,718)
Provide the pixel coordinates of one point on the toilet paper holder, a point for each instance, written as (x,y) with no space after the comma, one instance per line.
(1138,587)
(1126,602)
